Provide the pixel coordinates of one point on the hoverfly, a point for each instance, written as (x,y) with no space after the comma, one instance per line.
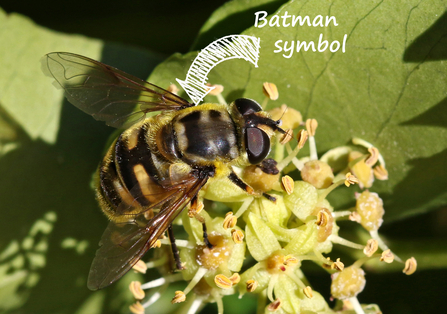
(158,164)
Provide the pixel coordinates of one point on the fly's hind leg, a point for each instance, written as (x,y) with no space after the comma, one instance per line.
(205,236)
(194,211)
(174,248)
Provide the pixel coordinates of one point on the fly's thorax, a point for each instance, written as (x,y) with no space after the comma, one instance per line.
(205,134)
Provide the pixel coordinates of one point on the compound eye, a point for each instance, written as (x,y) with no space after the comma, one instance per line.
(257,145)
(247,106)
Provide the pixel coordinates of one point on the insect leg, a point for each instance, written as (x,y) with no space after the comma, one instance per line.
(174,248)
(244,186)
(269,197)
(238,181)
(194,205)
(205,236)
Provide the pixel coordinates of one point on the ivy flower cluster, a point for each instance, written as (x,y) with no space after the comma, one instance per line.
(260,245)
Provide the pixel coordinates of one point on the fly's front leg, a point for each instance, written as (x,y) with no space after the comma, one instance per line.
(244,186)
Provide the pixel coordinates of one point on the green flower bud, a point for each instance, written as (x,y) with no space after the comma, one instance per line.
(370,208)
(317,173)
(348,283)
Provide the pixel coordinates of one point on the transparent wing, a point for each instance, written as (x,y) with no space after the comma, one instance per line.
(157,197)
(106,93)
(123,244)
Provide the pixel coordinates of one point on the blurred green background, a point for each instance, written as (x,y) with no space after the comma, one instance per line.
(51,223)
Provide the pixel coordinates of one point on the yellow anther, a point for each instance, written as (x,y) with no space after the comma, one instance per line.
(311,126)
(374,156)
(237,236)
(371,247)
(229,221)
(135,288)
(235,278)
(218,89)
(328,265)
(355,216)
(286,137)
(251,285)
(140,267)
(302,137)
(270,90)
(308,292)
(274,306)
(350,179)
(322,218)
(223,281)
(380,172)
(173,89)
(287,184)
(410,266)
(387,256)
(179,297)
(338,265)
(136,308)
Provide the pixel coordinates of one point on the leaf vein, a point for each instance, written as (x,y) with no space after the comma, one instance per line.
(312,89)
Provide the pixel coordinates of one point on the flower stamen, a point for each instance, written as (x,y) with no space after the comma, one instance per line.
(251,285)
(410,266)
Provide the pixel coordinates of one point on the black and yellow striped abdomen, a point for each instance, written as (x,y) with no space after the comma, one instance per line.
(132,175)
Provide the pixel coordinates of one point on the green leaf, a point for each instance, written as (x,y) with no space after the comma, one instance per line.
(49,151)
(25,92)
(93,304)
(232,18)
(381,89)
